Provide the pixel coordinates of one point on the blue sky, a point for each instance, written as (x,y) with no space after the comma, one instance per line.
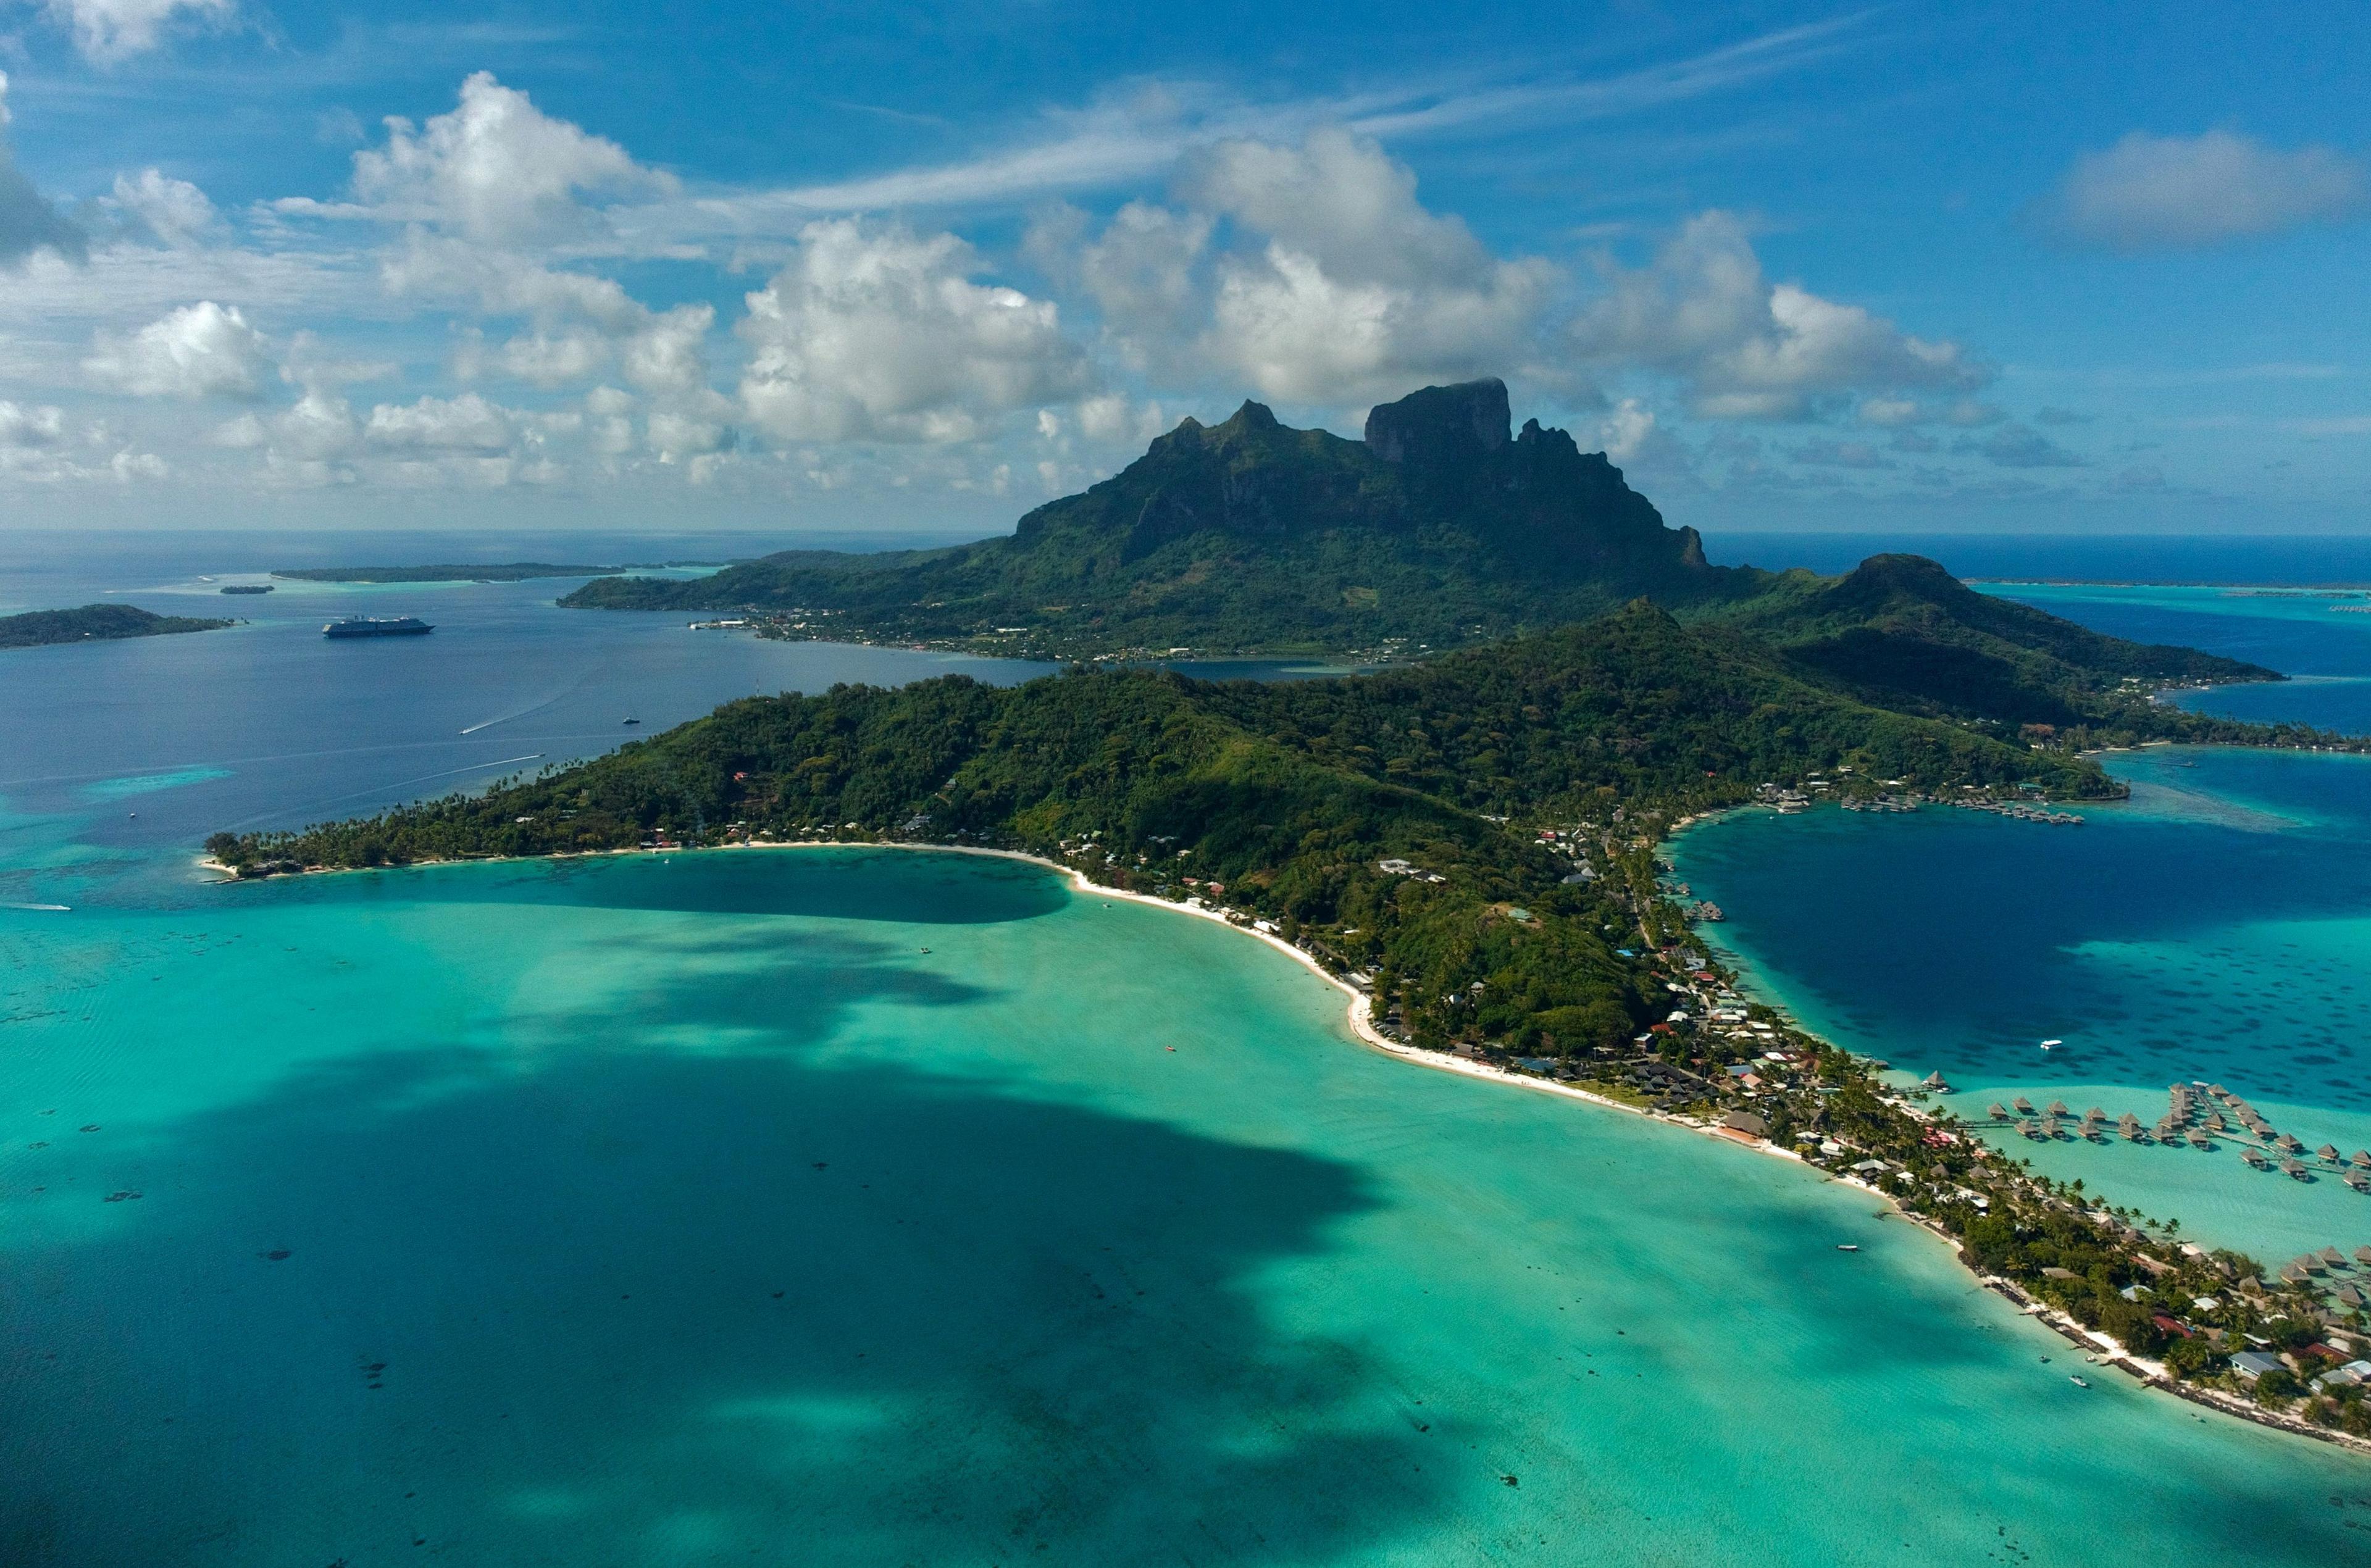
(1907,267)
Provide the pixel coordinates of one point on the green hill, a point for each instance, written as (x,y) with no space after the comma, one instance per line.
(1290,796)
(95,623)
(1902,632)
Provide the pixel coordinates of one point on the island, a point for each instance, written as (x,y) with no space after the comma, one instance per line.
(1467,843)
(95,623)
(445,571)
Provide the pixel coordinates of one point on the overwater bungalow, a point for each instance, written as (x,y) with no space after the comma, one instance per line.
(2058,1107)
(2292,1275)
(2327,1152)
(2349,1297)
(2024,1106)
(2362,1254)
(2200,1141)
(2356,1179)
(2332,1257)
(2255,1158)
(2359,1159)
(2095,1115)
(2287,1143)
(1996,1110)
(2295,1172)
(2214,1122)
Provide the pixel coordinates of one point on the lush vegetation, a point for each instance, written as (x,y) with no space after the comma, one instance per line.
(1902,632)
(95,623)
(1288,797)
(1440,529)
(504,571)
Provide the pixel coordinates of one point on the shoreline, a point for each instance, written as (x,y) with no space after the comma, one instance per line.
(1357,1016)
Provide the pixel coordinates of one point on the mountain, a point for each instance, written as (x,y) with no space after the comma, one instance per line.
(1442,528)
(1901,632)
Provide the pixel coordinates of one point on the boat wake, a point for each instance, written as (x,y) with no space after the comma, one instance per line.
(532,708)
(42,909)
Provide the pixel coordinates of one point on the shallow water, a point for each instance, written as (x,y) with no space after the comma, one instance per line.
(2213,929)
(674,1209)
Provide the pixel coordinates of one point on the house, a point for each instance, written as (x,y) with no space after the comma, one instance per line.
(2253,1364)
(1746,1122)
(2352,1374)
(2168,1326)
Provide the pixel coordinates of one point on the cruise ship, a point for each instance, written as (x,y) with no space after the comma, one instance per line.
(377,626)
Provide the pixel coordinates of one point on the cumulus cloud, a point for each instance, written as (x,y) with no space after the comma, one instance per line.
(108,31)
(1359,291)
(29,220)
(200,351)
(496,169)
(666,352)
(39,425)
(155,206)
(2176,192)
(1745,347)
(881,334)
(465,424)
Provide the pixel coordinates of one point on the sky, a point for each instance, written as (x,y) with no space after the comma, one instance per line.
(2094,266)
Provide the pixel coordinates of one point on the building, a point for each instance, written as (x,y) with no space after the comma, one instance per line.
(2253,1364)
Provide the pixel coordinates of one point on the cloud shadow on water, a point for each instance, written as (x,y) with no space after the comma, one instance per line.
(637,1305)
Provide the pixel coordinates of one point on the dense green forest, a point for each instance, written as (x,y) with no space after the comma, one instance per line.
(95,623)
(1288,796)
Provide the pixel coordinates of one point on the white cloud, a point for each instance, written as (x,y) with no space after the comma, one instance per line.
(548,358)
(881,334)
(1745,347)
(1359,291)
(108,31)
(666,353)
(495,170)
(169,211)
(1625,432)
(464,424)
(2173,192)
(128,465)
(675,437)
(22,426)
(1141,274)
(200,351)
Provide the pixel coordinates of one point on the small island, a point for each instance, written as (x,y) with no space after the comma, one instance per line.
(95,623)
(448,572)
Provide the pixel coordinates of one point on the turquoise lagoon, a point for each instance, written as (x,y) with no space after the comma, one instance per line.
(2215,929)
(879,1207)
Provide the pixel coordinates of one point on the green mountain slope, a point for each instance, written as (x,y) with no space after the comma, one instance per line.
(1902,632)
(95,623)
(1440,528)
(1290,796)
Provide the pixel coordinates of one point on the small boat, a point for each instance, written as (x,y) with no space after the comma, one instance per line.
(2078,1382)
(1846,1247)
(2051,1044)
(633,721)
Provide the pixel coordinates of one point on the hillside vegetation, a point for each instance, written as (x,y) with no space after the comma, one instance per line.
(95,623)
(1288,797)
